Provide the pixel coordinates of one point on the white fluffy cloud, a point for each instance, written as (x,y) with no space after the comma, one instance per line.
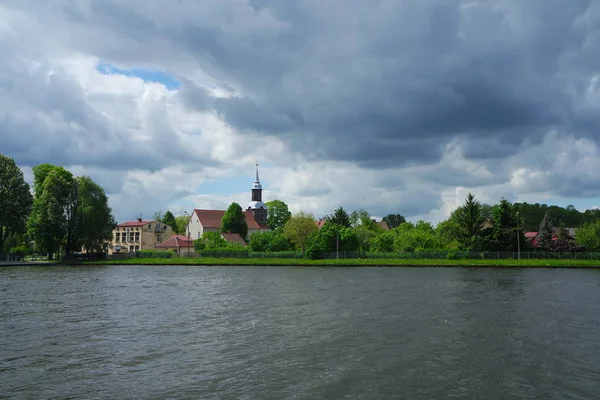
(394,107)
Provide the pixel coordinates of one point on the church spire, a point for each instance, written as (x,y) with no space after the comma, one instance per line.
(257,184)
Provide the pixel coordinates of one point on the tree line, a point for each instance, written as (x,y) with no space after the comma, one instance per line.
(472,227)
(64,214)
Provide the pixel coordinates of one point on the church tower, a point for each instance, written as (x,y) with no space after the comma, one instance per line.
(256,206)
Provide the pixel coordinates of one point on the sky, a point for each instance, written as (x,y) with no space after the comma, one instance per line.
(393,106)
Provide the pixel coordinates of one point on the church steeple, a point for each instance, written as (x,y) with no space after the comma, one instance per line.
(256,206)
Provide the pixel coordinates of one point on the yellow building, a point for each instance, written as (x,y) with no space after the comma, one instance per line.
(132,236)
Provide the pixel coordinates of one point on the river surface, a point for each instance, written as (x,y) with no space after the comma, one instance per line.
(188,332)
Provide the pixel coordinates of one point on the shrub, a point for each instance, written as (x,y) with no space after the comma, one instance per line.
(153,254)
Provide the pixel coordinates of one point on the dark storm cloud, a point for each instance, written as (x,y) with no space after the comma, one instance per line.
(402,76)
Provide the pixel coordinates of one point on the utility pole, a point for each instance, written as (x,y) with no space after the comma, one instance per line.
(337,245)
(518,238)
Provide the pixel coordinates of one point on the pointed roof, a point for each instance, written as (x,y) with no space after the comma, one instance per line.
(256,184)
(233,238)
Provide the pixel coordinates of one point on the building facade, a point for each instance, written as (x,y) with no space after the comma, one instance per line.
(201,221)
(132,236)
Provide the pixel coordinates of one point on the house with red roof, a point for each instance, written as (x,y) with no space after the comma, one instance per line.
(177,243)
(201,220)
(132,236)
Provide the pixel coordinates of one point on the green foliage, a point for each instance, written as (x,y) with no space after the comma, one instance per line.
(153,254)
(169,219)
(410,238)
(469,220)
(181,223)
(588,235)
(52,220)
(299,228)
(234,221)
(357,217)
(382,243)
(394,220)
(333,237)
(15,200)
(339,217)
(271,241)
(545,233)
(95,221)
(210,240)
(21,249)
(278,214)
(505,230)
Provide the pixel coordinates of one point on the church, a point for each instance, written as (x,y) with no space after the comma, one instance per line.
(210,220)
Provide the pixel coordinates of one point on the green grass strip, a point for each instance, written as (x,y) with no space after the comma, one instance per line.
(350,262)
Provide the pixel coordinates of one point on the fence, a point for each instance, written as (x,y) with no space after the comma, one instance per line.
(455,255)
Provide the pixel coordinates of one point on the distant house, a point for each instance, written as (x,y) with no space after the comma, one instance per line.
(487,224)
(177,243)
(210,221)
(132,236)
(532,237)
(234,238)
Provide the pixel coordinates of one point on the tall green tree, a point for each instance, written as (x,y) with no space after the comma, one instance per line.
(394,220)
(357,217)
(270,241)
(278,214)
(333,237)
(545,233)
(504,233)
(234,221)
(469,218)
(95,221)
(299,228)
(52,221)
(169,219)
(15,200)
(340,217)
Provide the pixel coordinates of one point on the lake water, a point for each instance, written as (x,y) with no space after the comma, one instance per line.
(187,332)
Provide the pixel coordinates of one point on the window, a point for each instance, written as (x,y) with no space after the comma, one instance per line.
(131,249)
(158,239)
(199,234)
(137,248)
(137,236)
(150,226)
(117,237)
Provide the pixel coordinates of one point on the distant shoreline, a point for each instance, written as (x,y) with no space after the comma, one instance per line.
(273,262)
(287,262)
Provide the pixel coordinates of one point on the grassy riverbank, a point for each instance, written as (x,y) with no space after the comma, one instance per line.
(351,262)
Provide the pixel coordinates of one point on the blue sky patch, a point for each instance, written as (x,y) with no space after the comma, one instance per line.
(148,75)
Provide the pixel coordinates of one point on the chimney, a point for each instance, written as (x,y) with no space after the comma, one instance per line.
(139,219)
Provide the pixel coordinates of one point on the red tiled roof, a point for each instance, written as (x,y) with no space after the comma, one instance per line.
(175,242)
(212,218)
(530,235)
(233,238)
(137,223)
(383,225)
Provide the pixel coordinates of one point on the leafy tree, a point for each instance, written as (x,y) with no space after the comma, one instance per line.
(157,216)
(339,217)
(209,241)
(545,232)
(298,229)
(278,214)
(332,237)
(382,243)
(52,220)
(169,219)
(505,230)
(95,221)
(15,200)
(357,217)
(394,220)
(270,241)
(181,223)
(447,232)
(588,235)
(420,237)
(469,219)
(234,221)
